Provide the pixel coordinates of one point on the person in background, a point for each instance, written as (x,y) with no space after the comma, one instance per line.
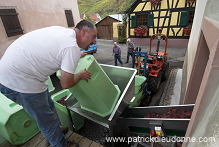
(29,60)
(131,48)
(117,54)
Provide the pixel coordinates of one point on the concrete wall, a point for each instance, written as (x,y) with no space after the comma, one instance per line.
(200,75)
(37,14)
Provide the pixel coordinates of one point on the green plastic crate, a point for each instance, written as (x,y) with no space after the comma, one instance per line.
(16,125)
(139,80)
(62,111)
(51,88)
(3,142)
(99,95)
(58,74)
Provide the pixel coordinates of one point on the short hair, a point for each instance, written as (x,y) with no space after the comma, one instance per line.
(84,24)
(128,40)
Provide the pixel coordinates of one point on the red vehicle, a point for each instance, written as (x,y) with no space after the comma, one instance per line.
(154,64)
(157,63)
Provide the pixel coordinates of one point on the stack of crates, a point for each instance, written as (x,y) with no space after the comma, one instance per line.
(139,85)
(16,125)
(78,120)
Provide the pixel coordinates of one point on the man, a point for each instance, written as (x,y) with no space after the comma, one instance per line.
(131,48)
(117,54)
(33,57)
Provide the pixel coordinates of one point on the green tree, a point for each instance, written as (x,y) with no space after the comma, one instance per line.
(104,7)
(89,19)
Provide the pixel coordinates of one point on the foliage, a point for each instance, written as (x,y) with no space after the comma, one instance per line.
(154,2)
(104,7)
(124,28)
(141,29)
(89,19)
(122,39)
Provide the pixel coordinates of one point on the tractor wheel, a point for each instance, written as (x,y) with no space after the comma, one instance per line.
(146,100)
(165,71)
(154,83)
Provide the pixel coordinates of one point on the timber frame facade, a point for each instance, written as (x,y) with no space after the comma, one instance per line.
(175,17)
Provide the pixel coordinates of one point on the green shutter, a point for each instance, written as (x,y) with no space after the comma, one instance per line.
(150,19)
(183,19)
(134,21)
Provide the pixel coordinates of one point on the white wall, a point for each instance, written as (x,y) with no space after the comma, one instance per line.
(35,14)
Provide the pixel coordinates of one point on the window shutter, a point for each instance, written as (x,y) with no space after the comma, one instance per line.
(69,18)
(11,22)
(183,19)
(150,19)
(134,21)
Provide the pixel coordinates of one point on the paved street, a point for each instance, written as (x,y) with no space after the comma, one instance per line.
(175,58)
(104,53)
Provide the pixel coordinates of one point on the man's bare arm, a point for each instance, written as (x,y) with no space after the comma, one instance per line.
(69,80)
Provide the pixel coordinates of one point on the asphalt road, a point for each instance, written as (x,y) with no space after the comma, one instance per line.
(104,53)
(104,56)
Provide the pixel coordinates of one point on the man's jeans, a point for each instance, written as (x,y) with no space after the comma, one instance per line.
(117,57)
(41,108)
(128,54)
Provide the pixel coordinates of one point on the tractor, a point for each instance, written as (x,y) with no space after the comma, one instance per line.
(152,65)
(158,66)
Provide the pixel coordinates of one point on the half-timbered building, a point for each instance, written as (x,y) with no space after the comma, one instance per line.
(175,17)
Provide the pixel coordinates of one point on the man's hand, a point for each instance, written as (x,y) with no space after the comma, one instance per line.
(83,53)
(85,75)
(69,80)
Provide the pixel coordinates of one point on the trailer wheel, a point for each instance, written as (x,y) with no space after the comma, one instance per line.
(165,71)
(154,83)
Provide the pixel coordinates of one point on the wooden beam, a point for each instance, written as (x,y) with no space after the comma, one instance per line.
(177,3)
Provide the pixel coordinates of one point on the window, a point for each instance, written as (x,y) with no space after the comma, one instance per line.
(142,19)
(69,18)
(11,22)
(191,17)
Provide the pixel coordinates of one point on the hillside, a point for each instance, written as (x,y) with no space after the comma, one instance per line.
(104,7)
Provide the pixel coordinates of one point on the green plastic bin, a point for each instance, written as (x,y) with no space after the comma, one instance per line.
(58,74)
(16,125)
(139,80)
(99,95)
(51,88)
(3,142)
(62,112)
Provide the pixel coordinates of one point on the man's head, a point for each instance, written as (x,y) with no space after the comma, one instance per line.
(128,40)
(86,34)
(115,44)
